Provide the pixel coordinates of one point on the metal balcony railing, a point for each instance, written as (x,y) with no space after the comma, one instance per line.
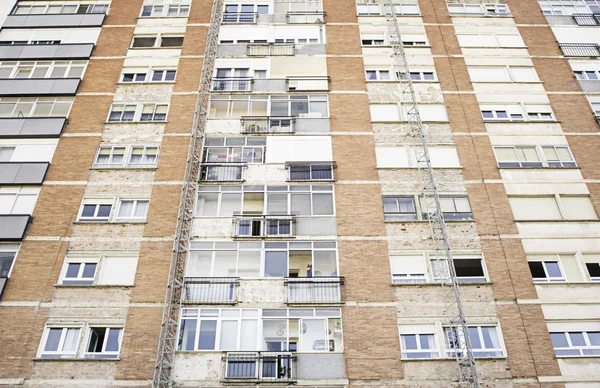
(210,290)
(587,19)
(263,226)
(580,49)
(316,84)
(273,367)
(223,172)
(317,17)
(266,124)
(314,290)
(234,84)
(310,171)
(271,49)
(240,18)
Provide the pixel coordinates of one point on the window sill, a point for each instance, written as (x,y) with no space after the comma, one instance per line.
(589,283)
(162,17)
(566,221)
(378,16)
(135,122)
(147,83)
(398,81)
(75,359)
(580,357)
(422,221)
(539,168)
(429,284)
(390,46)
(508,82)
(95,286)
(497,358)
(84,222)
(152,168)
(406,122)
(479,16)
(156,48)
(521,121)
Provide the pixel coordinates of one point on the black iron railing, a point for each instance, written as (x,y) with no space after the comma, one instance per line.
(259,366)
(314,290)
(223,172)
(210,290)
(233,84)
(587,19)
(265,124)
(310,171)
(263,226)
(580,49)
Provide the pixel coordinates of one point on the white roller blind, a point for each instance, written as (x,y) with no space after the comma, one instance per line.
(483,40)
(392,157)
(579,208)
(433,112)
(34,153)
(384,112)
(488,74)
(591,258)
(283,149)
(442,157)
(510,41)
(571,268)
(407,265)
(534,208)
(118,271)
(524,74)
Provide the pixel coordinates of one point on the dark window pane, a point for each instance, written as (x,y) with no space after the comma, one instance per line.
(537,270)
(468,267)
(112,343)
(170,76)
(89,270)
(88,210)
(208,334)
(104,210)
(410,341)
(73,270)
(276,264)
(559,340)
(593,269)
(128,77)
(96,339)
(175,41)
(157,76)
(53,340)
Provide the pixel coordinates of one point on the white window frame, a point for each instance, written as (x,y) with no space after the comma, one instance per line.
(435,352)
(155,107)
(163,77)
(128,153)
(564,7)
(10,248)
(16,101)
(50,65)
(461,279)
(448,351)
(111,163)
(137,112)
(409,278)
(517,163)
(59,353)
(62,5)
(144,155)
(135,74)
(574,348)
(548,279)
(372,9)
(420,210)
(230,149)
(97,202)
(102,354)
(83,261)
(158,40)
(378,75)
(16,192)
(131,217)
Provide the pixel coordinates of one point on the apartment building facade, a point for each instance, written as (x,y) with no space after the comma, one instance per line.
(311,261)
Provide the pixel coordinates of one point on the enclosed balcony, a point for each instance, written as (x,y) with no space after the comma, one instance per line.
(46,51)
(257,367)
(234,84)
(55,20)
(13,226)
(39,86)
(32,127)
(223,172)
(264,226)
(24,173)
(314,290)
(310,171)
(210,290)
(267,124)
(586,50)
(315,17)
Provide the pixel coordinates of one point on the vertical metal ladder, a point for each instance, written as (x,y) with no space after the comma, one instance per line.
(456,328)
(167,344)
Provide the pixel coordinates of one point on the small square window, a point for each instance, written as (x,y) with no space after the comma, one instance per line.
(79,273)
(104,342)
(91,212)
